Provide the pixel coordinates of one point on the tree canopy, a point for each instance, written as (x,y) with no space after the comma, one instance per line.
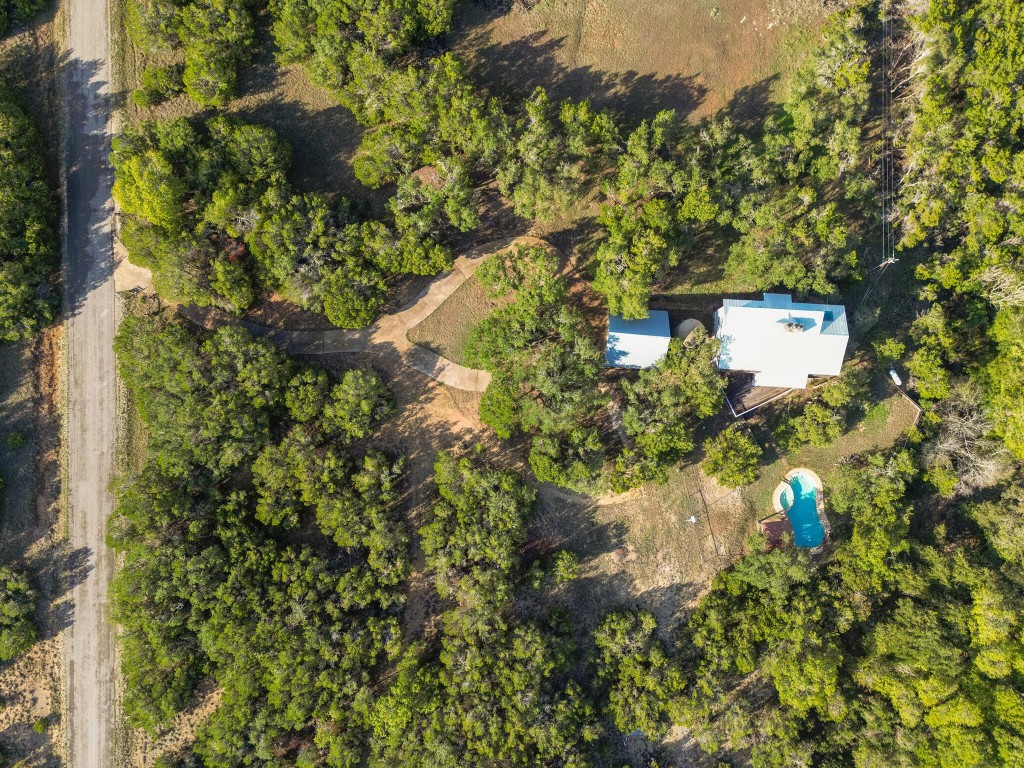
(29,255)
(245,446)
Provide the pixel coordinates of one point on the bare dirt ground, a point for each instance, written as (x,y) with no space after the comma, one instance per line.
(655,548)
(31,536)
(695,56)
(431,418)
(92,703)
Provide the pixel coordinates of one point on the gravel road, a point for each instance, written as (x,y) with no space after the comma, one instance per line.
(89,303)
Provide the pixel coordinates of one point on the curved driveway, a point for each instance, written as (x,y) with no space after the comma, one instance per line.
(389,335)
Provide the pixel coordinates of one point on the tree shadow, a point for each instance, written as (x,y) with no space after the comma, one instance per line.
(512,70)
(324,142)
(22,743)
(750,105)
(88,235)
(59,570)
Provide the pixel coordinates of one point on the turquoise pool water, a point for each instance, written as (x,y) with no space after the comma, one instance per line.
(801,505)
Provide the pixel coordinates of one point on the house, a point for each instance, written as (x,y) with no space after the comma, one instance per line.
(780,341)
(637,343)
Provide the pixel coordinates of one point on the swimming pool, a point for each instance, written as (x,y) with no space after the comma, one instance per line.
(801,505)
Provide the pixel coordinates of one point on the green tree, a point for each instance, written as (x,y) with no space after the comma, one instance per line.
(552,151)
(566,566)
(732,457)
(17,614)
(664,406)
(357,404)
(28,251)
(640,678)
(818,425)
(478,525)
(209,403)
(218,36)
(1004,379)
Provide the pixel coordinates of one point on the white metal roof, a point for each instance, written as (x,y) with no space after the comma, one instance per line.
(780,341)
(637,343)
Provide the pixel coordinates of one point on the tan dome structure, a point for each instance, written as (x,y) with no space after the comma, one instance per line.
(686,329)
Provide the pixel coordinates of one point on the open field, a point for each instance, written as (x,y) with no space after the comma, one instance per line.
(696,56)
(641,548)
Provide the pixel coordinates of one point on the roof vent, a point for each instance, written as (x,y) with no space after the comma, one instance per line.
(793,326)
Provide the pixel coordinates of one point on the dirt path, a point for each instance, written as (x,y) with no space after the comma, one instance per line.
(389,335)
(89,301)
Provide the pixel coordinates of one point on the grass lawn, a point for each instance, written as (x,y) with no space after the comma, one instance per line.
(448,328)
(880,426)
(696,56)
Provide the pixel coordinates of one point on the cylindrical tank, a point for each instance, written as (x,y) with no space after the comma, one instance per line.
(684,329)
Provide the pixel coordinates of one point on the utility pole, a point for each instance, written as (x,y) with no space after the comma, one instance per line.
(888,171)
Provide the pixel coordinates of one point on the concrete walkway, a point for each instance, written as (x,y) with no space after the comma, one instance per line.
(389,335)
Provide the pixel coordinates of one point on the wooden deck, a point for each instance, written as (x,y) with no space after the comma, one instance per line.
(744,397)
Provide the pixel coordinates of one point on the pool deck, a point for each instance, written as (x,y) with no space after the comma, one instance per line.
(775,524)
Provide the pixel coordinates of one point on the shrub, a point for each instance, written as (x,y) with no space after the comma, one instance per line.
(930,376)
(889,350)
(818,425)
(158,85)
(732,457)
(566,566)
(848,389)
(17,604)
(535,576)
(944,479)
(498,409)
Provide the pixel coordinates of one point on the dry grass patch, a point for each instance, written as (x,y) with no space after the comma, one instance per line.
(639,549)
(448,328)
(180,733)
(697,56)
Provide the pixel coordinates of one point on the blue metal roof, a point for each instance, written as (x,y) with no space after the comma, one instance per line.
(834,323)
(637,343)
